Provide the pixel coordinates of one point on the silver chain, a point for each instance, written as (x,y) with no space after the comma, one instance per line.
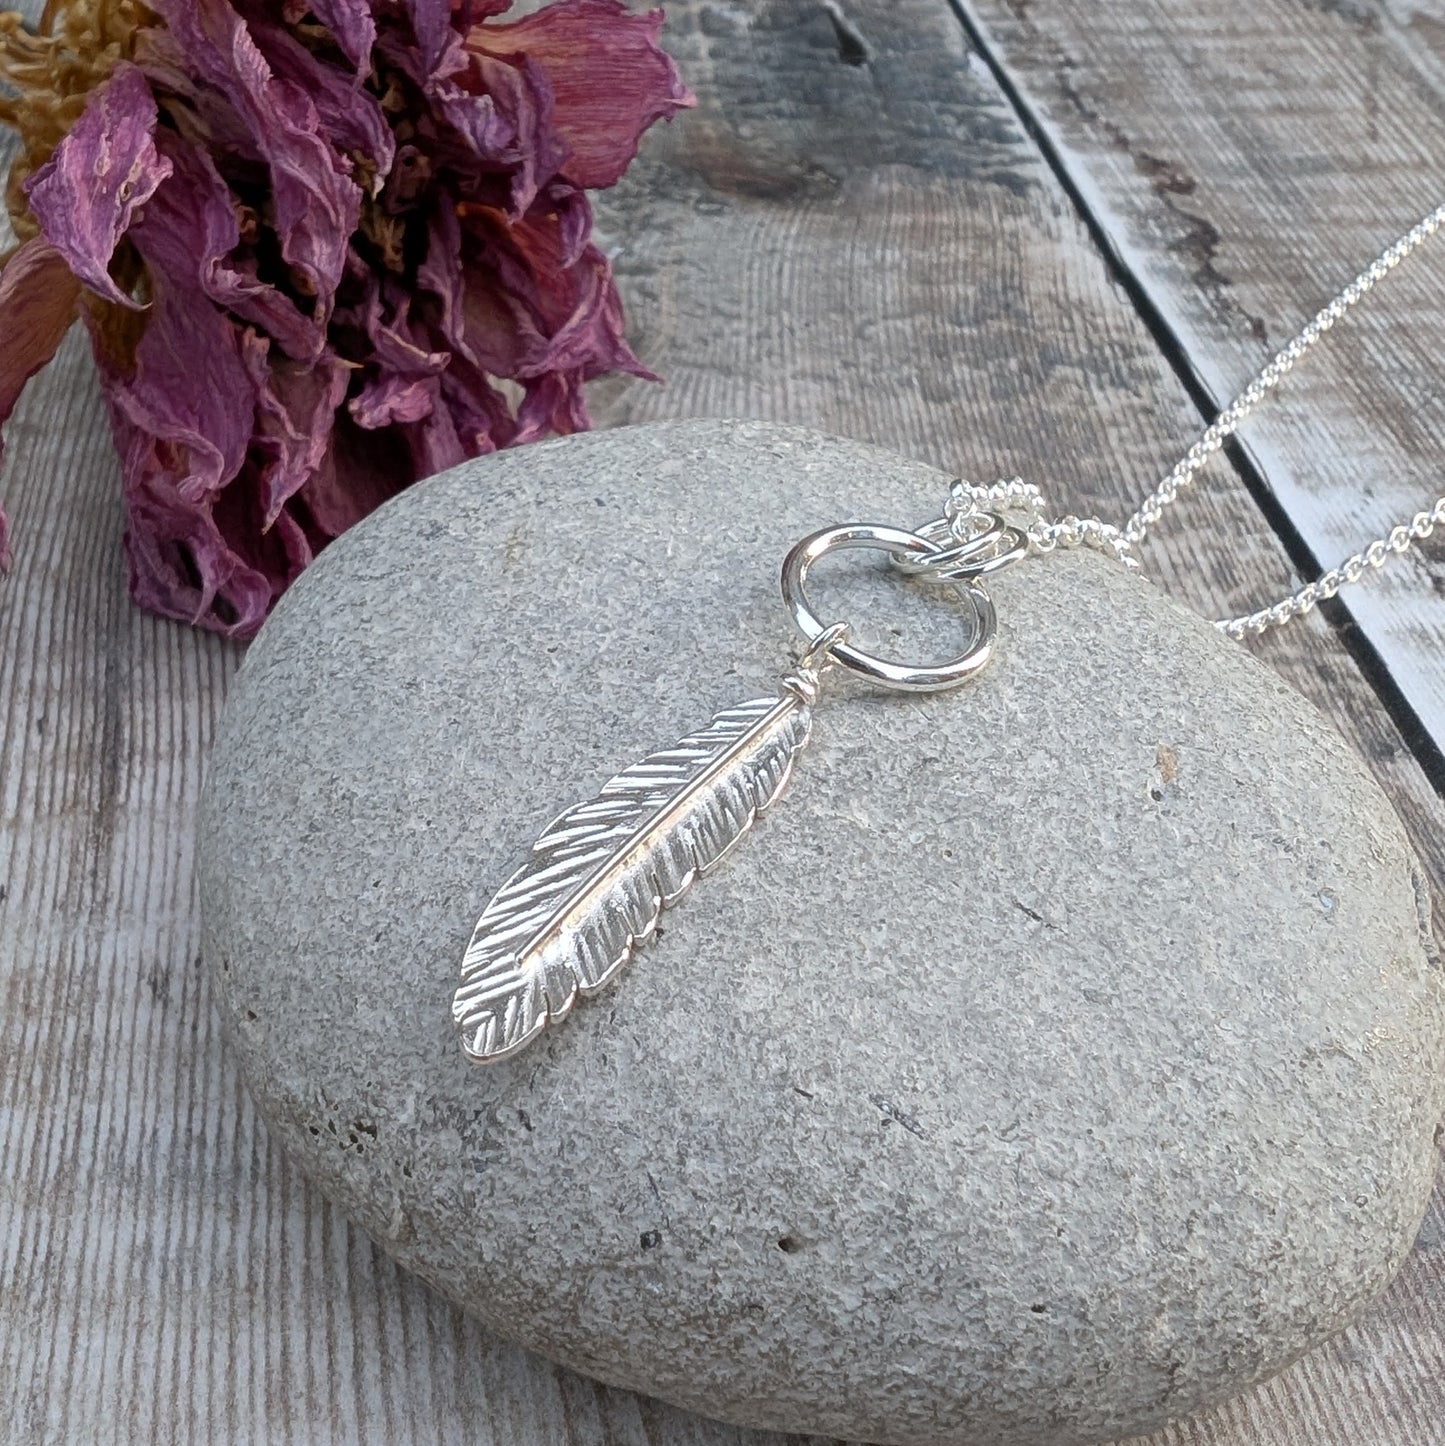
(1046,536)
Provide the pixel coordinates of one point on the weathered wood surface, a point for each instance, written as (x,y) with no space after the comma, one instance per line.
(1244,161)
(855,232)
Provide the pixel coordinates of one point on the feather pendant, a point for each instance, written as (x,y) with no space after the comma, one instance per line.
(592,889)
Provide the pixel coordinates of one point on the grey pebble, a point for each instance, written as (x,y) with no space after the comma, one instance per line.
(1060,1056)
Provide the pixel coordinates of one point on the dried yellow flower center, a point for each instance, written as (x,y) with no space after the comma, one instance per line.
(46,74)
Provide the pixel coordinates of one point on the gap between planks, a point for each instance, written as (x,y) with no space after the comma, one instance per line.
(1229,225)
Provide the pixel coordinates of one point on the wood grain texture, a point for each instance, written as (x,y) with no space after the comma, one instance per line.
(1244,161)
(853,232)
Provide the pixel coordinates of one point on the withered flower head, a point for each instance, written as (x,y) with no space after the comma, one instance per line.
(323,248)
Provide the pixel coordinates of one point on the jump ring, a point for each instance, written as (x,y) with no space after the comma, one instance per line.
(904,676)
(819,653)
(993,545)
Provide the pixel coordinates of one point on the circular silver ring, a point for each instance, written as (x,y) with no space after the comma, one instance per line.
(924,678)
(993,545)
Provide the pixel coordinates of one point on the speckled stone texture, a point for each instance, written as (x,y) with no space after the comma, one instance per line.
(1061,1055)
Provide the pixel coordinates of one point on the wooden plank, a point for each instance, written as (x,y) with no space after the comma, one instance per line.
(1244,159)
(853,232)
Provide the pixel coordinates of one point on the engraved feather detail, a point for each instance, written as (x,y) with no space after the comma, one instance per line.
(592,889)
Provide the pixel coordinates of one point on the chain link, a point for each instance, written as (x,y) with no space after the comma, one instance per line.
(1015,495)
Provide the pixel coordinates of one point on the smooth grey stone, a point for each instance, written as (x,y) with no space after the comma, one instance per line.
(1061,1055)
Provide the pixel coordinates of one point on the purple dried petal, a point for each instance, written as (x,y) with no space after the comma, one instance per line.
(573,212)
(207,559)
(350,116)
(440,284)
(396,345)
(181,566)
(476,131)
(434,443)
(361,470)
(312,350)
(183,419)
(192,392)
(38,296)
(471,126)
(190,229)
(479,412)
(106,167)
(519,93)
(200,114)
(294,411)
(389,399)
(431,25)
(401,385)
(533,307)
(494,131)
(609,78)
(317,205)
(553,403)
(352,26)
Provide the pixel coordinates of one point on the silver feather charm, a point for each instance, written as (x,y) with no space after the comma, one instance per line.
(597,879)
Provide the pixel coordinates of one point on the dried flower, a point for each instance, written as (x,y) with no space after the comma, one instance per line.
(323,248)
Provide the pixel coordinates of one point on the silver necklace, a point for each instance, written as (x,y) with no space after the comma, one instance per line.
(596,881)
